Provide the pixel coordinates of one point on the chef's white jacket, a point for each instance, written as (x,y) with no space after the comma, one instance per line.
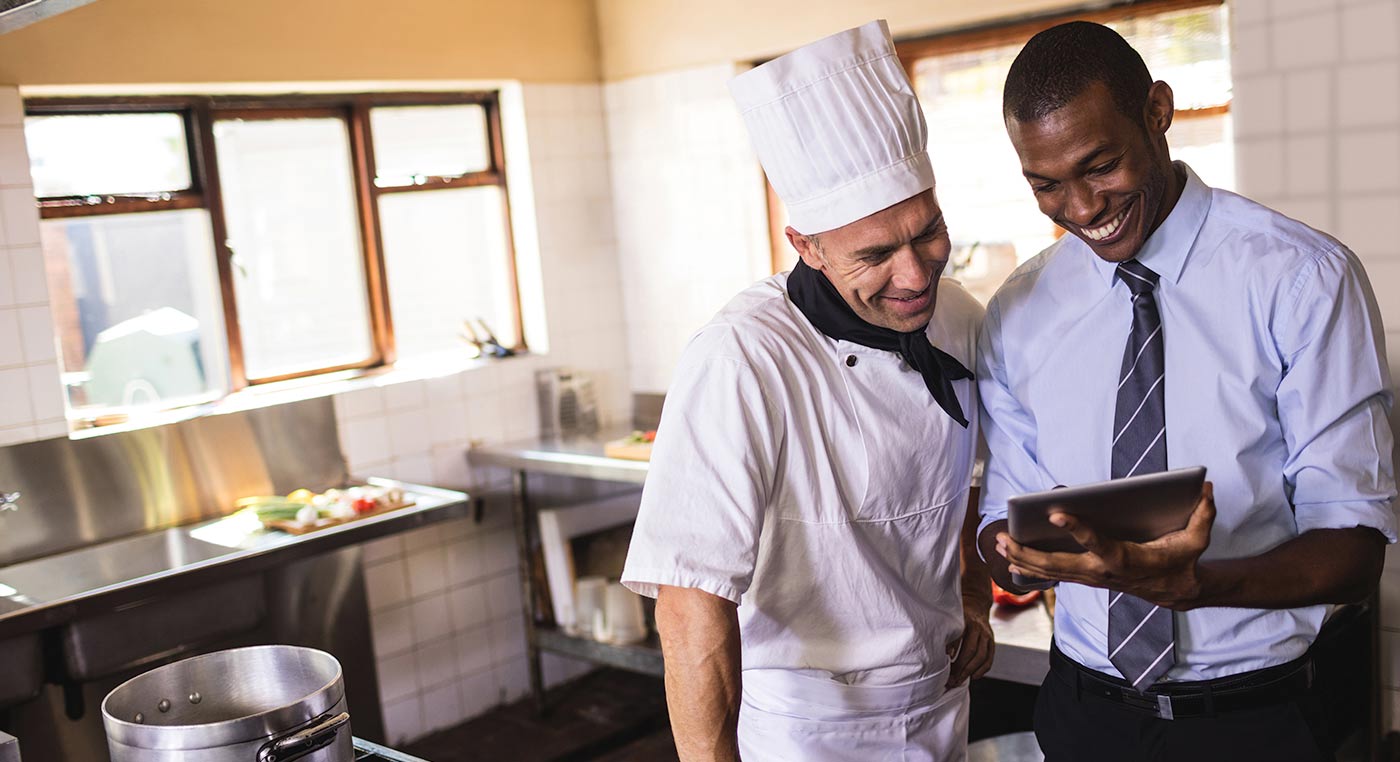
(817,484)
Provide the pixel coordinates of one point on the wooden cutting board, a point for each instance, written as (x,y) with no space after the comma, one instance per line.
(296,527)
(627,449)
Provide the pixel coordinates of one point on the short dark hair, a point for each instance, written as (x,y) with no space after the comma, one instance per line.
(1061,62)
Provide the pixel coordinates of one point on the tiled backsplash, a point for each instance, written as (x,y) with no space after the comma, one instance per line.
(31,401)
(690,210)
(445,606)
(1317,136)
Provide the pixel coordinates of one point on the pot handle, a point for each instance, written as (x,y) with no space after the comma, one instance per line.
(319,734)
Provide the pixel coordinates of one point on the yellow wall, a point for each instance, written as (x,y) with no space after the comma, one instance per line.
(159,41)
(648,36)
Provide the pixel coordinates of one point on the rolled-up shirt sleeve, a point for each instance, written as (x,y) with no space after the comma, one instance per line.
(1335,397)
(711,475)
(1012,467)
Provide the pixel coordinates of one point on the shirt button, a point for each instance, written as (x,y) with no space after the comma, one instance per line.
(850,361)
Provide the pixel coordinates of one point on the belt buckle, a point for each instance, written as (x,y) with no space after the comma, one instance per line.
(1164,707)
(1159,704)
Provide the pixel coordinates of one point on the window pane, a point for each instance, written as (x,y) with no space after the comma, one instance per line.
(293,228)
(107,154)
(136,302)
(992,215)
(1207,143)
(411,142)
(1190,50)
(446,260)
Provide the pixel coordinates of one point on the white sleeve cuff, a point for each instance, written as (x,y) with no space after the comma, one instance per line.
(648,582)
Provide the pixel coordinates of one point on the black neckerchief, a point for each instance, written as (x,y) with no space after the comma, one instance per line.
(824,307)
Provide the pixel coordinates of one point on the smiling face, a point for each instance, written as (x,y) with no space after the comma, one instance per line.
(886,266)
(1099,174)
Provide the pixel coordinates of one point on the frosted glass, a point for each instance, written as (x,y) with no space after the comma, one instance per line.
(299,277)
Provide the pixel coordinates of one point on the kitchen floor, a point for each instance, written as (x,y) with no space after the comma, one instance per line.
(616,716)
(605,716)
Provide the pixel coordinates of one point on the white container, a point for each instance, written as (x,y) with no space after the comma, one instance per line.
(590,603)
(626,622)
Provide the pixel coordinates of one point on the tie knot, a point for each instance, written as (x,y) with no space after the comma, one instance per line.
(1139,278)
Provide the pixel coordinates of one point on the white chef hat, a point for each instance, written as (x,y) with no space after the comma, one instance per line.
(837,128)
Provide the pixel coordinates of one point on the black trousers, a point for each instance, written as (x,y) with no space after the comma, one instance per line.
(1086,728)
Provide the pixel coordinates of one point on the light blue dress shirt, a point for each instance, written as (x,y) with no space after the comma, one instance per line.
(1276,382)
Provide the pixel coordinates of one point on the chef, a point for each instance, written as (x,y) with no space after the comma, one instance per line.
(804,522)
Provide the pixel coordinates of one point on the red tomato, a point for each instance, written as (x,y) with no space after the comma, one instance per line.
(364,505)
(650,436)
(1008,598)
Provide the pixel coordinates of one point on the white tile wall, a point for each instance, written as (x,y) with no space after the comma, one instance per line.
(1317,117)
(580,278)
(690,212)
(445,601)
(31,402)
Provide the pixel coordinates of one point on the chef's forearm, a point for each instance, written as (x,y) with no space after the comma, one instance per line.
(976,573)
(700,642)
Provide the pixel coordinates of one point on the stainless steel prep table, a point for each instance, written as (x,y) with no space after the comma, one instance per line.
(1022,635)
(60,588)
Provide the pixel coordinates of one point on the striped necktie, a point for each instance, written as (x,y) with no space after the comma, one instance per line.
(1141,636)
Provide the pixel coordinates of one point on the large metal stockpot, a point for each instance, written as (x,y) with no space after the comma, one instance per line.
(259,704)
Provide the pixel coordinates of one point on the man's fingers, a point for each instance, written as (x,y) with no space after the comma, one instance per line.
(957,671)
(985,652)
(1037,563)
(1081,532)
(1203,518)
(979,645)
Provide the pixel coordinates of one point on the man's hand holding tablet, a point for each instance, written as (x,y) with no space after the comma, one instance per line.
(1140,535)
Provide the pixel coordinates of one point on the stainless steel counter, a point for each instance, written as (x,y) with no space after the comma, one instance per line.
(1022,635)
(59,588)
(579,456)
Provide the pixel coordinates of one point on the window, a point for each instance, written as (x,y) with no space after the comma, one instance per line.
(992,216)
(201,245)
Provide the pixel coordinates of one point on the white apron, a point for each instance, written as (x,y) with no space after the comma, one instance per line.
(789,716)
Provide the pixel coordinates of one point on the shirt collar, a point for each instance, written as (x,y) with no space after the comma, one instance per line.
(1165,250)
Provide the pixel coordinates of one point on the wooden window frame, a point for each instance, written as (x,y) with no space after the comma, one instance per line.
(200,112)
(996,34)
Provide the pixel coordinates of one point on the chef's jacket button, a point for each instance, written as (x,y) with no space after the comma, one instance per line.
(850,361)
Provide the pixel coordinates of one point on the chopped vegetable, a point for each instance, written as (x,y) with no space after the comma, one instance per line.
(301,496)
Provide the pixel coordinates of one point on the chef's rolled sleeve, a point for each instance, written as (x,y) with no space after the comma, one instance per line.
(711,475)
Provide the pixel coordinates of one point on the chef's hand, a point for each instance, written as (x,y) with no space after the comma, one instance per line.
(1163,571)
(972,651)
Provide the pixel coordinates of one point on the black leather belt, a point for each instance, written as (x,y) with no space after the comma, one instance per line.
(1176,700)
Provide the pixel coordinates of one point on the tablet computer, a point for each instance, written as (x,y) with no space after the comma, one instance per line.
(1136,509)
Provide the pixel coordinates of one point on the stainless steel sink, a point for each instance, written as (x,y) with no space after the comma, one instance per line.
(160,628)
(22,667)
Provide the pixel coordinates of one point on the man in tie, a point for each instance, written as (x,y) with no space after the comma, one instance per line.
(1178,325)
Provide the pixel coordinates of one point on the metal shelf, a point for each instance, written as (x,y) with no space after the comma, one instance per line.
(644,657)
(1022,636)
